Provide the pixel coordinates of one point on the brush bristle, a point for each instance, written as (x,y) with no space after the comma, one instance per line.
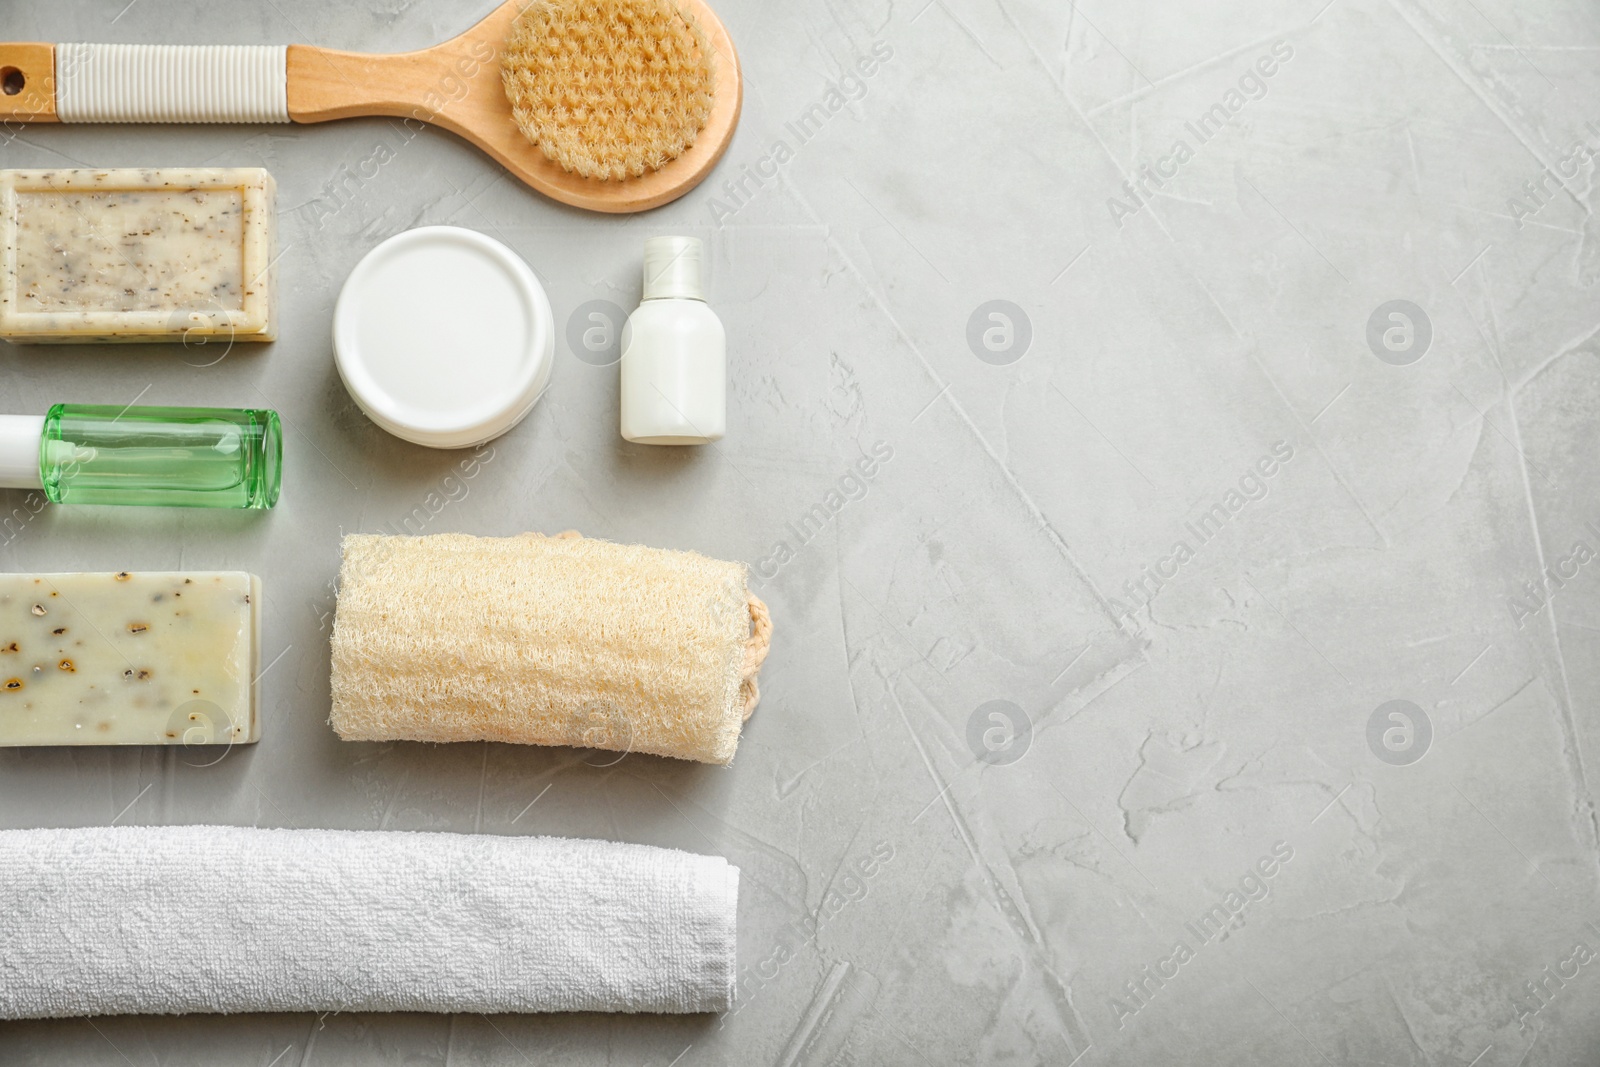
(608,89)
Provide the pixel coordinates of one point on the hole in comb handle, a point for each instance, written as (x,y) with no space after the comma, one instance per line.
(12,81)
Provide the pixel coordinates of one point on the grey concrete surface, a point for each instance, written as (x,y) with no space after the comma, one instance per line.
(1031,783)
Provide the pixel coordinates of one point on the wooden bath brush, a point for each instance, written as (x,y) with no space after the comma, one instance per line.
(610,105)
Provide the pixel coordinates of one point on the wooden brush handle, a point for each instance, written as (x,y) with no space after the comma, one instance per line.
(455,85)
(430,85)
(233,83)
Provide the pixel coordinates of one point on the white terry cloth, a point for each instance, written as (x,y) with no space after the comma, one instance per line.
(171,920)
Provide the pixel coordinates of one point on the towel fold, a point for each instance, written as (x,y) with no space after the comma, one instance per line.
(172,920)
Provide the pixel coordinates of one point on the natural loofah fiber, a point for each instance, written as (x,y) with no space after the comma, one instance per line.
(608,89)
(547,641)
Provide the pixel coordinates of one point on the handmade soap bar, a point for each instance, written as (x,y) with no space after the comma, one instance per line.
(136,255)
(128,659)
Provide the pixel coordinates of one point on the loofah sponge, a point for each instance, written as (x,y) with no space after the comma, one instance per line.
(608,89)
(547,641)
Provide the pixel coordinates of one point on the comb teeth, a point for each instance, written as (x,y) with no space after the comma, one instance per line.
(608,89)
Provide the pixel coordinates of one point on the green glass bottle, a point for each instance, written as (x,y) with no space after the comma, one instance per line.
(165,457)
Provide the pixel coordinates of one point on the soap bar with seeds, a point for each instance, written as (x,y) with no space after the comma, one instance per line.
(143,658)
(136,255)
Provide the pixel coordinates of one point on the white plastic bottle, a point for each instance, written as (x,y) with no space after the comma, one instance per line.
(674,352)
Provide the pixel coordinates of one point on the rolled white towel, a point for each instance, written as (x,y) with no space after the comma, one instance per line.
(172,920)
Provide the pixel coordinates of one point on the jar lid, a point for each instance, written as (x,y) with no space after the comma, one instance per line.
(444,337)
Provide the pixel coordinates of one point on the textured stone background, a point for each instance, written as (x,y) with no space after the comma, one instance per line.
(931,877)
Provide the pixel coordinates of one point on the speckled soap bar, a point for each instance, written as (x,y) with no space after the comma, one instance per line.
(129,658)
(136,255)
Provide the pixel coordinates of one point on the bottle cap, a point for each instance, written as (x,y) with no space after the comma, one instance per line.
(444,337)
(673,268)
(19,451)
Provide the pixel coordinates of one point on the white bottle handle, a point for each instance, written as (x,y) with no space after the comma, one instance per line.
(171,83)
